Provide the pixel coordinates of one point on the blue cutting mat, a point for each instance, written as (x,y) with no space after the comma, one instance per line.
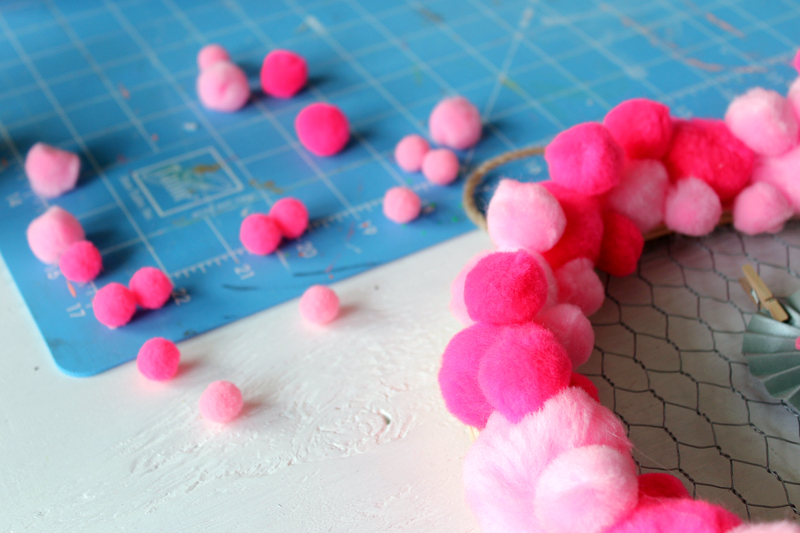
(166,183)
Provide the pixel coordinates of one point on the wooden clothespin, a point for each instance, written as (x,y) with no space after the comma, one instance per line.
(761,295)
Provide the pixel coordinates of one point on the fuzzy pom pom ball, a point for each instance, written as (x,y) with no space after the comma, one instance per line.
(283,73)
(583,235)
(781,172)
(410,152)
(641,193)
(455,123)
(401,205)
(221,402)
(440,166)
(692,207)
(210,54)
(50,170)
(81,262)
(158,359)
(52,232)
(114,305)
(579,285)
(761,208)
(222,86)
(764,121)
(323,129)
(260,234)
(151,287)
(319,304)
(622,245)
(643,128)
(458,308)
(572,329)
(673,515)
(291,216)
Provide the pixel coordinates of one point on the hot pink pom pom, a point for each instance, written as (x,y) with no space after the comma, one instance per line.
(440,166)
(291,216)
(260,234)
(781,173)
(158,359)
(761,208)
(457,306)
(677,515)
(151,287)
(764,121)
(221,402)
(583,235)
(283,73)
(643,128)
(585,384)
(622,245)
(524,215)
(641,193)
(585,159)
(410,152)
(50,170)
(772,527)
(401,205)
(52,232)
(222,86)
(706,149)
(455,123)
(81,262)
(114,305)
(210,54)
(578,284)
(319,304)
(323,129)
(692,207)
(655,486)
(572,329)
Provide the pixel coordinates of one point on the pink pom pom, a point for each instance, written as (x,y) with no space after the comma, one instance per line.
(578,284)
(81,262)
(622,245)
(797,343)
(692,207)
(585,159)
(572,329)
(319,304)
(781,173)
(291,216)
(764,121)
(656,486)
(323,129)
(440,166)
(401,205)
(706,149)
(455,123)
(52,232)
(761,208)
(260,234)
(221,402)
(677,515)
(641,193)
(585,384)
(641,127)
(151,287)
(50,170)
(283,73)
(222,86)
(505,288)
(772,527)
(583,235)
(114,305)
(410,152)
(158,359)
(524,215)
(210,54)
(458,308)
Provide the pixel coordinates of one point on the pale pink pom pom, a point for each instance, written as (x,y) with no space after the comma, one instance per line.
(761,208)
(210,54)
(319,304)
(52,232)
(401,205)
(50,170)
(579,284)
(781,172)
(692,207)
(572,329)
(455,123)
(410,152)
(524,215)
(440,166)
(641,194)
(223,86)
(221,402)
(764,121)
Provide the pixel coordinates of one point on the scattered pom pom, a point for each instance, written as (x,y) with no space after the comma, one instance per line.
(401,205)
(319,304)
(641,127)
(283,73)
(655,486)
(81,262)
(781,173)
(764,121)
(692,207)
(677,515)
(222,86)
(323,129)
(410,151)
(622,245)
(210,54)
(761,208)
(524,215)
(221,402)
(583,235)
(50,170)
(114,305)
(458,308)
(440,166)
(260,234)
(52,232)
(783,526)
(151,287)
(291,216)
(641,193)
(578,284)
(572,329)
(585,384)
(158,359)
(455,123)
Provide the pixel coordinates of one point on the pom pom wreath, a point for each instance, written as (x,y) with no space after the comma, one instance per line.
(401,205)
(151,287)
(525,367)
(674,515)
(572,329)
(291,216)
(585,384)
(578,284)
(260,234)
(583,234)
(410,152)
(114,305)
(505,288)
(692,207)
(223,86)
(781,173)
(458,376)
(641,127)
(440,166)
(761,208)
(81,262)
(221,402)
(323,129)
(706,149)
(524,215)
(641,193)
(585,159)
(764,121)
(622,245)
(50,170)
(158,359)
(210,54)
(772,527)
(52,232)
(455,123)
(283,73)
(319,304)
(655,486)
(586,489)
(458,308)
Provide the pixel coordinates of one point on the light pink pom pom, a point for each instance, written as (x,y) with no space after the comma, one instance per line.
(210,54)
(410,152)
(50,170)
(761,208)
(692,207)
(223,86)
(81,262)
(579,285)
(585,159)
(151,287)
(319,304)
(158,359)
(524,215)
(52,232)
(260,234)
(283,73)
(401,205)
(572,329)
(455,123)
(641,194)
(221,402)
(440,166)
(291,216)
(771,527)
(781,173)
(114,305)
(764,121)
(323,129)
